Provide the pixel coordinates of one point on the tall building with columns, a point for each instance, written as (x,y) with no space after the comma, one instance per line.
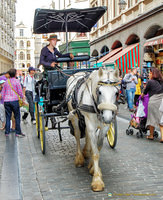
(131,31)
(7,20)
(24,47)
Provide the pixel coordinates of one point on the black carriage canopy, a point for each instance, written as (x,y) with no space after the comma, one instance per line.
(68,20)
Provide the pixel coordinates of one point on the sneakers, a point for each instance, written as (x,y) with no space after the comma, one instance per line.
(33,122)
(20,135)
(25,121)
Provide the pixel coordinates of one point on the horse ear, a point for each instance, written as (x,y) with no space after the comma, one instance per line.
(116,73)
(100,71)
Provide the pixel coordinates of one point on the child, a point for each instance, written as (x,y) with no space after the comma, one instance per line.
(2,109)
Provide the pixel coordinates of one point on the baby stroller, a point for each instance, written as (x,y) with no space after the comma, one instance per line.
(139,119)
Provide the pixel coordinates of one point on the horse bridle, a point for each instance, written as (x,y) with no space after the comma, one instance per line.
(94,108)
(103,83)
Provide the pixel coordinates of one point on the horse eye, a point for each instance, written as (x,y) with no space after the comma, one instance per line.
(99,92)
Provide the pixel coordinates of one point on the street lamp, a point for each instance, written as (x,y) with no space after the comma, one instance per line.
(122,4)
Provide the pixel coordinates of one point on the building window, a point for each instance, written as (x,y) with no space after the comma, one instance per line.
(21,32)
(28,43)
(21,44)
(28,56)
(130,3)
(21,56)
(28,64)
(115,8)
(81,35)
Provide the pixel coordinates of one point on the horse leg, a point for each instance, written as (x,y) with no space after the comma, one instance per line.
(79,158)
(97,182)
(87,148)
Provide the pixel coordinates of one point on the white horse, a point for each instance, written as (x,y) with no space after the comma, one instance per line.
(93,97)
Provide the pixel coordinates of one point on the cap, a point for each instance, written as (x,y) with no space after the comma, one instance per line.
(31,69)
(2,81)
(53,36)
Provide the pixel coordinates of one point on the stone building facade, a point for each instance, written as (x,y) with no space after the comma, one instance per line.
(24,47)
(138,22)
(7,20)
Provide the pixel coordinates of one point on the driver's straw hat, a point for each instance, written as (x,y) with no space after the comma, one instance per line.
(53,36)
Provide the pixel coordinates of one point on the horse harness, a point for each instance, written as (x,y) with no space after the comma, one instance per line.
(84,107)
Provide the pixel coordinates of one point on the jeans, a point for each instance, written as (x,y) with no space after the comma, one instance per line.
(29,96)
(130,97)
(12,106)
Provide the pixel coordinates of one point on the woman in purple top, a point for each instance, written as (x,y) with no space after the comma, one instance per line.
(50,53)
(11,102)
(154,89)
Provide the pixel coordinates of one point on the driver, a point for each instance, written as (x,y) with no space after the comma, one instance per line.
(50,53)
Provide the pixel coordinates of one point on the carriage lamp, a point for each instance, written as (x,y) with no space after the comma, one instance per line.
(122,4)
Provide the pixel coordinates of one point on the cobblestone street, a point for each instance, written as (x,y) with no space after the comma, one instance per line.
(133,171)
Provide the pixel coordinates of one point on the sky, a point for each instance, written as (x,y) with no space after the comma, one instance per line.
(25,10)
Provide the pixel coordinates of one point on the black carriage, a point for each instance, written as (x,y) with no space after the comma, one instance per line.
(51,90)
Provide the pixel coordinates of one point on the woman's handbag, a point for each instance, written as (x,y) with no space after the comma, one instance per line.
(21,103)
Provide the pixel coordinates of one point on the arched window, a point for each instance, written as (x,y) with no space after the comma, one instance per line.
(21,56)
(132,39)
(28,43)
(28,64)
(21,44)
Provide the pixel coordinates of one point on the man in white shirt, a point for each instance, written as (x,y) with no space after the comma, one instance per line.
(29,92)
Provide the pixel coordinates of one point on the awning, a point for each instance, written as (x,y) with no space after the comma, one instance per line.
(154,41)
(109,55)
(127,58)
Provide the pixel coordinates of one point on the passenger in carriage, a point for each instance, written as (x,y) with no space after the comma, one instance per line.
(50,53)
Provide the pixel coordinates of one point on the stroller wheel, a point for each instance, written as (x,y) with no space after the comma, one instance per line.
(127,132)
(131,131)
(155,134)
(138,135)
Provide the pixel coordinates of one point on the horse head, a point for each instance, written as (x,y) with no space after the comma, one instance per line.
(106,93)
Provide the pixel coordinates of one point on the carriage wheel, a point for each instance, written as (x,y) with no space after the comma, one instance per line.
(37,120)
(112,134)
(42,133)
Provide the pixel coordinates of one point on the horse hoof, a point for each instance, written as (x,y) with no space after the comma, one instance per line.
(98,188)
(79,161)
(97,184)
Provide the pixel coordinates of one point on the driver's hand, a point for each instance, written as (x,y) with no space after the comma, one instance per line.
(53,64)
(71,56)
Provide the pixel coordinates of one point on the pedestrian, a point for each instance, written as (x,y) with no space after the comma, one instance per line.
(2,109)
(154,88)
(138,88)
(131,80)
(29,92)
(10,92)
(4,76)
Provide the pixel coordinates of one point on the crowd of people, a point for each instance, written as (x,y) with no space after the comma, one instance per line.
(134,89)
(12,90)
